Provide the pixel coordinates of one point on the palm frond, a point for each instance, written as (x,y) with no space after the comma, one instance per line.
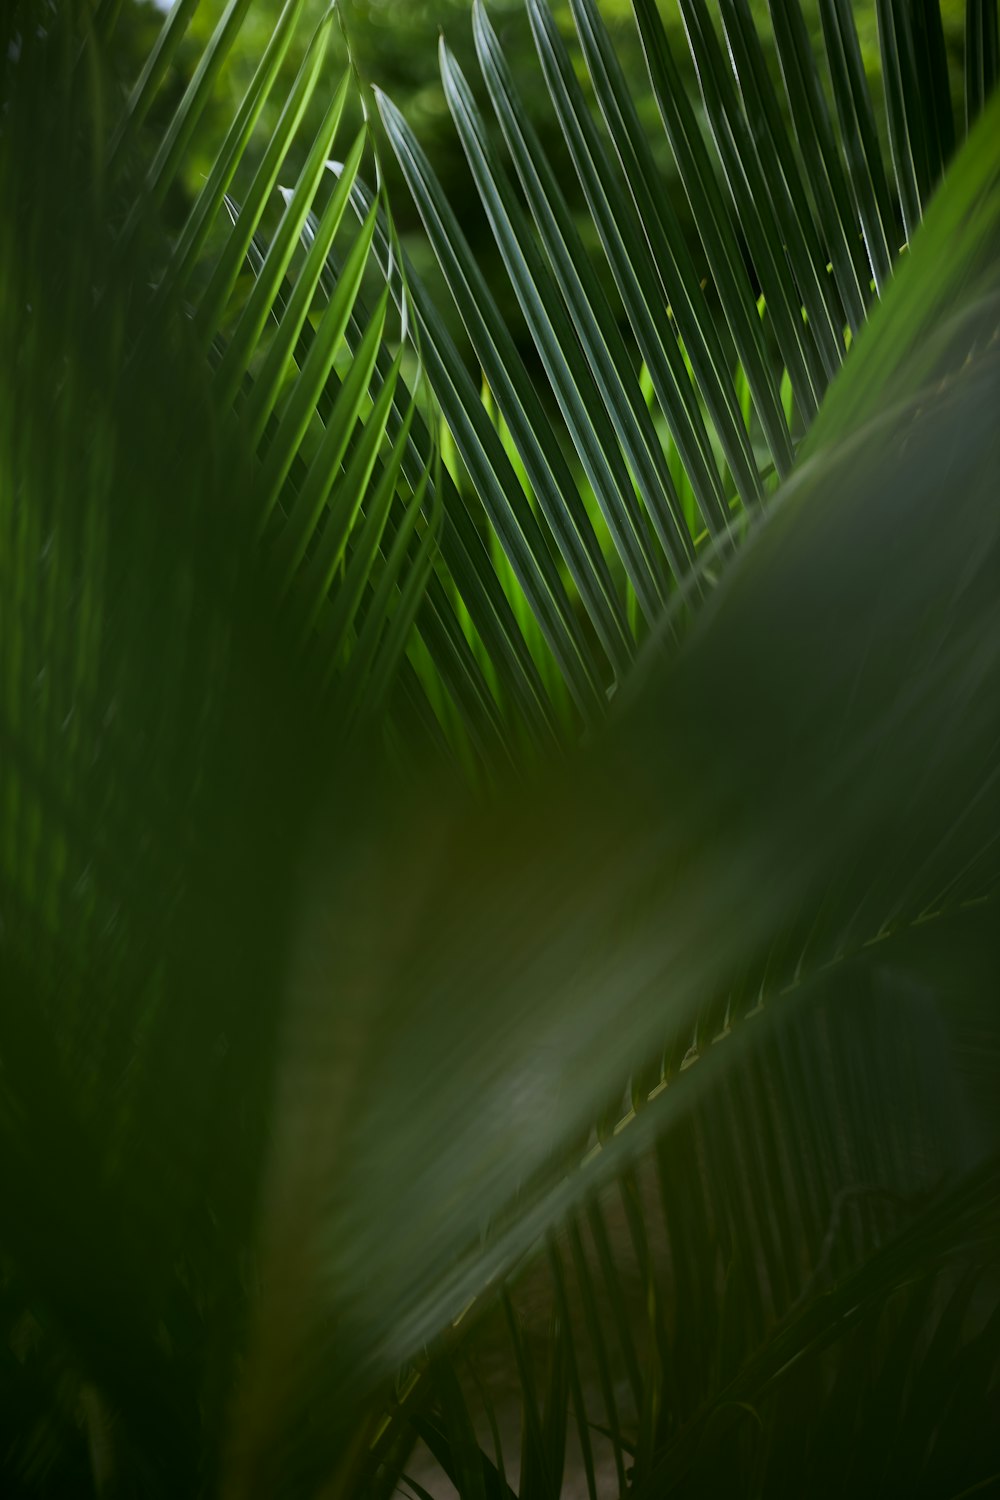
(794,207)
(840,809)
(238,555)
(149,633)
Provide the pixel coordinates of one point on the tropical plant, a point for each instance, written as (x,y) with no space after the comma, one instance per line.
(498,876)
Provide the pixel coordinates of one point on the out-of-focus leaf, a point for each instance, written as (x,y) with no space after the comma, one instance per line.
(835,739)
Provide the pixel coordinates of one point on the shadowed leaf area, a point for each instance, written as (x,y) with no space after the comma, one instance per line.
(499,754)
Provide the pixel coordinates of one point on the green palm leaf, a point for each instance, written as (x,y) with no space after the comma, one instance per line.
(817,252)
(880,863)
